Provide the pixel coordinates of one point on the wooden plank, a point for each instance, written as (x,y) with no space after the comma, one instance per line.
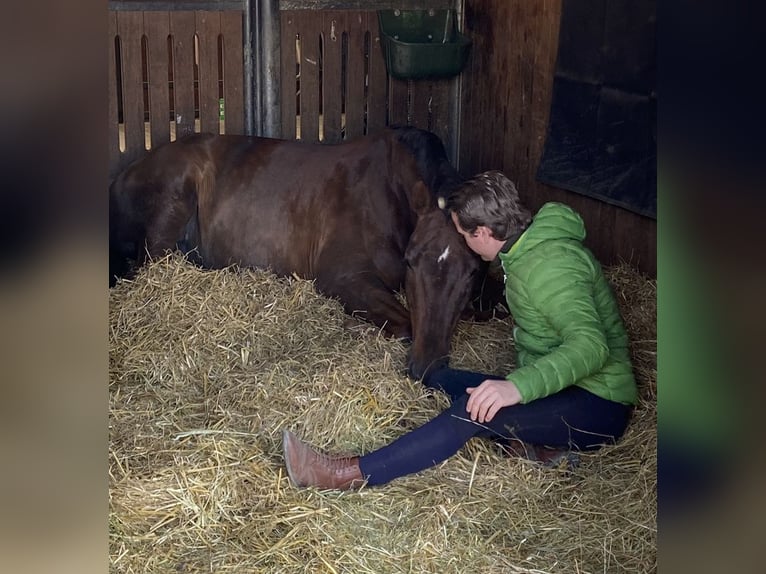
(288,87)
(182,28)
(546,49)
(531,14)
(309,28)
(130,27)
(208,28)
(398,102)
(477,28)
(498,102)
(420,104)
(233,72)
(441,123)
(484,92)
(114,128)
(364,4)
(157,29)
(515,91)
(378,79)
(356,78)
(170,5)
(600,220)
(633,240)
(136,5)
(648,239)
(466,121)
(333,25)
(497,96)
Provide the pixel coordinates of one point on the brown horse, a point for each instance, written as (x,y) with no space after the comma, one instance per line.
(360,218)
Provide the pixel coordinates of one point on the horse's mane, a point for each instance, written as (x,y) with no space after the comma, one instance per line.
(433,165)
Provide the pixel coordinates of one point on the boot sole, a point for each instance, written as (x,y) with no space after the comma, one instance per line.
(287,436)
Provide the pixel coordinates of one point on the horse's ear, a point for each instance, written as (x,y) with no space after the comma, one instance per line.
(420,198)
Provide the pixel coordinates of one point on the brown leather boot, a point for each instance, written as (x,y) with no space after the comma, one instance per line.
(550,457)
(557,457)
(306,467)
(516,448)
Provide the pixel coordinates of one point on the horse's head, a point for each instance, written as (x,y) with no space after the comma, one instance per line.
(438,282)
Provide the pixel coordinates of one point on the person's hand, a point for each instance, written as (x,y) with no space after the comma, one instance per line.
(489,397)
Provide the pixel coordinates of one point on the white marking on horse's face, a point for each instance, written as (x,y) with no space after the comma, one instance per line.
(444,255)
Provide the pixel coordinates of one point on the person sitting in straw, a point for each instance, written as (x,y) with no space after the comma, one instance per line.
(574,387)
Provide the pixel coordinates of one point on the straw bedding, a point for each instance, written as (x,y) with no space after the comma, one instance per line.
(208,367)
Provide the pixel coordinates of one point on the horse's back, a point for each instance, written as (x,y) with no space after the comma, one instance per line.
(295,206)
(289,205)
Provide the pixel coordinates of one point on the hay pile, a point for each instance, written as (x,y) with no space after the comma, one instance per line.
(208,367)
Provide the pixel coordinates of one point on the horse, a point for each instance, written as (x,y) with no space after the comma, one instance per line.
(363,219)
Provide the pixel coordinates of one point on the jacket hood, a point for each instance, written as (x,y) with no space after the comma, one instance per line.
(552,221)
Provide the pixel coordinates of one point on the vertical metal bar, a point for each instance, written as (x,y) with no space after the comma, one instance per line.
(270,68)
(248,63)
(253,42)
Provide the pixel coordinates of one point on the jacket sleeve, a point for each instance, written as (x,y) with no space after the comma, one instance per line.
(562,292)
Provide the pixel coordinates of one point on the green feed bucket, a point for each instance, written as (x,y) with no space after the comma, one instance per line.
(422,44)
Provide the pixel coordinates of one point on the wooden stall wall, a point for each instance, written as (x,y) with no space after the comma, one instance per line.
(169,71)
(334,84)
(505,98)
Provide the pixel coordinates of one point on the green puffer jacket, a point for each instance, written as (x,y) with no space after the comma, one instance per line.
(568,328)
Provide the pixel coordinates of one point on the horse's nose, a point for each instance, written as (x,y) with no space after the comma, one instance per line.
(417,369)
(414,372)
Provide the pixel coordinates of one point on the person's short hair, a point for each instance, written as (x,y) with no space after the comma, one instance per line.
(491,200)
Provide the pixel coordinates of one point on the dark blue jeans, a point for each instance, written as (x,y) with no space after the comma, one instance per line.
(573,418)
